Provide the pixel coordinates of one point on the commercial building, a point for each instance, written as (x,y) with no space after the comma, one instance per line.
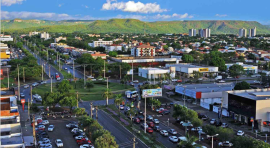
(33,33)
(98,54)
(100,43)
(56,40)
(113,47)
(5,38)
(209,96)
(248,68)
(252,32)
(45,35)
(188,69)
(143,50)
(156,73)
(247,105)
(4,51)
(205,33)
(242,32)
(192,32)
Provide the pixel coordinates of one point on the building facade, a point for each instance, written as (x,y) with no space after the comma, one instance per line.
(192,32)
(143,50)
(56,40)
(156,73)
(252,32)
(242,32)
(45,35)
(100,43)
(249,69)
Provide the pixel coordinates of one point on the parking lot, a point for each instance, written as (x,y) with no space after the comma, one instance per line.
(61,132)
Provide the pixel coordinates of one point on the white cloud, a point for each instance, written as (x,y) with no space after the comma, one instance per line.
(132,6)
(156,17)
(85,6)
(221,15)
(60,5)
(10,2)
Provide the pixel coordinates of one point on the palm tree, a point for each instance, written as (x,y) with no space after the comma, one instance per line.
(118,100)
(131,114)
(107,94)
(85,122)
(189,143)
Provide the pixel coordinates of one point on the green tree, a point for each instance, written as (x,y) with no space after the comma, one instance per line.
(187,58)
(51,99)
(197,75)
(118,100)
(219,62)
(242,86)
(64,87)
(243,142)
(85,122)
(113,54)
(106,141)
(79,111)
(107,94)
(225,134)
(99,133)
(210,129)
(236,70)
(165,47)
(241,59)
(189,143)
(19,45)
(69,101)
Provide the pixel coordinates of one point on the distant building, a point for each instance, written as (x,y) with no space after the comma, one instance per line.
(252,32)
(33,33)
(192,32)
(156,73)
(242,32)
(5,38)
(143,50)
(113,47)
(56,40)
(249,69)
(100,43)
(98,54)
(94,35)
(78,38)
(205,33)
(45,35)
(5,52)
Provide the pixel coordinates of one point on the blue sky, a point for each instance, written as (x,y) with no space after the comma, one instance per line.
(146,10)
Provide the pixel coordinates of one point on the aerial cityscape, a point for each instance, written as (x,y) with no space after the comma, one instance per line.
(135,74)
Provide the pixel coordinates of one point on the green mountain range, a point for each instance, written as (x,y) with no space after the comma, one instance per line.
(130,26)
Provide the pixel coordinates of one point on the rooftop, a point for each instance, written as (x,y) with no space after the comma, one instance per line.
(12,140)
(187,65)
(214,87)
(253,94)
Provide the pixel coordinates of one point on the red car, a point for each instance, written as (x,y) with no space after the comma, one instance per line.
(149,130)
(84,142)
(162,111)
(137,120)
(83,139)
(151,124)
(179,81)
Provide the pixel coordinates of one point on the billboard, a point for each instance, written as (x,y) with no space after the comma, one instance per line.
(152,92)
(203,69)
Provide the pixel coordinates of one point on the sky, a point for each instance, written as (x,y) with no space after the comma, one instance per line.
(145,10)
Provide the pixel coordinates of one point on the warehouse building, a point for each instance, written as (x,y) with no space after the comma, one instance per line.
(156,73)
(248,68)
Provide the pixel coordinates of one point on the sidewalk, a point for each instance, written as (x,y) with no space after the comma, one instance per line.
(27,130)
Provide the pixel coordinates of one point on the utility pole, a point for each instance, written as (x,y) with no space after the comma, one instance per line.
(42,71)
(8,76)
(91,105)
(77,100)
(73,72)
(107,100)
(56,57)
(59,62)
(144,114)
(28,109)
(23,76)
(134,142)
(132,70)
(104,69)
(34,131)
(49,71)
(91,71)
(19,95)
(31,94)
(47,54)
(84,76)
(96,112)
(51,84)
(120,71)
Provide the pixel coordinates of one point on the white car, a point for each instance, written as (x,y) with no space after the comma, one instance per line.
(183,138)
(174,80)
(122,107)
(144,125)
(26,86)
(75,130)
(173,131)
(41,126)
(135,81)
(164,133)
(65,68)
(35,84)
(79,137)
(91,77)
(225,143)
(173,138)
(43,82)
(196,129)
(240,133)
(87,146)
(221,81)
(51,128)
(156,121)
(165,82)
(159,109)
(46,141)
(59,143)
(45,122)
(213,121)
(36,96)
(45,145)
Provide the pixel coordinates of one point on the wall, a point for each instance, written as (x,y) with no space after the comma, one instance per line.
(212,95)
(262,108)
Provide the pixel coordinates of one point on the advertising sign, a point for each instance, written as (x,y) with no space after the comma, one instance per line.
(203,69)
(152,92)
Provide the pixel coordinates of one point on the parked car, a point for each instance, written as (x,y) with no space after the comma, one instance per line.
(136,120)
(151,124)
(173,138)
(149,117)
(140,112)
(59,143)
(136,81)
(157,128)
(174,80)
(79,137)
(26,86)
(45,145)
(141,117)
(156,121)
(22,95)
(165,112)
(225,144)
(35,84)
(86,146)
(179,81)
(51,128)
(43,82)
(47,141)
(164,133)
(196,129)
(144,125)
(159,109)
(36,96)
(149,130)
(122,107)
(84,142)
(183,138)
(213,121)
(203,117)
(173,131)
(240,133)
(224,125)
(45,122)
(83,139)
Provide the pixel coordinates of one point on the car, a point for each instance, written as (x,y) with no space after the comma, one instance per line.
(45,145)
(164,133)
(86,146)
(22,95)
(51,128)
(43,82)
(59,143)
(213,121)
(65,68)
(136,120)
(173,138)
(174,80)
(173,131)
(149,117)
(218,123)
(128,108)
(26,86)
(240,133)
(75,130)
(179,81)
(84,142)
(36,96)
(183,138)
(45,122)
(144,125)
(266,123)
(225,144)
(122,107)
(149,130)
(141,117)
(71,124)
(40,126)
(257,82)
(83,139)
(203,117)
(151,124)
(165,112)
(196,129)
(157,128)
(140,111)
(161,110)
(47,141)
(35,84)
(221,81)
(136,81)
(165,82)
(224,125)
(156,121)
(79,137)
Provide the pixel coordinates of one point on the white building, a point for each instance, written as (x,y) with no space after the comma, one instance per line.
(100,43)
(205,33)
(113,47)
(155,73)
(242,32)
(33,33)
(192,32)
(252,32)
(5,38)
(45,35)
(56,40)
(186,50)
(143,50)
(248,68)
(188,69)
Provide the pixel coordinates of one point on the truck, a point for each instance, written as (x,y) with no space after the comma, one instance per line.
(218,78)
(131,94)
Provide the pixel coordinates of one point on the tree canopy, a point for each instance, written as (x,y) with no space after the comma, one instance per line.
(236,70)
(242,86)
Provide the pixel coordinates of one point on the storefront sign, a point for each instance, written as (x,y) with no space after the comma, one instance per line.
(152,92)
(203,69)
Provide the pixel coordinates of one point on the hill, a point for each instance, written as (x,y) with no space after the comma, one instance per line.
(131,26)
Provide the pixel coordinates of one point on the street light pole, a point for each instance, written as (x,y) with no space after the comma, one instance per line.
(51,84)
(84,75)
(18,83)
(49,70)
(23,76)
(104,69)
(8,76)
(213,139)
(120,71)
(144,114)
(132,71)
(107,100)
(42,72)
(31,94)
